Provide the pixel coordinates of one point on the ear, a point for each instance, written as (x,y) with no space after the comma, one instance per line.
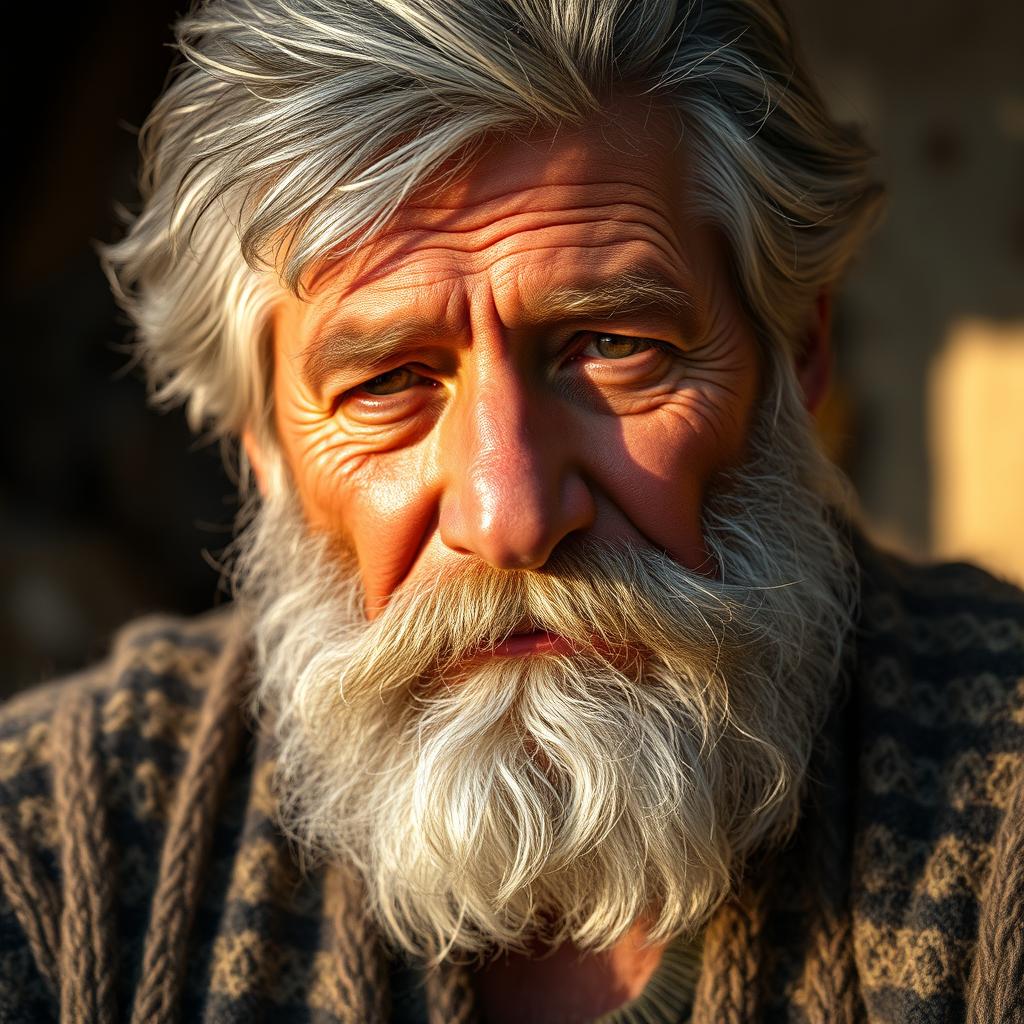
(814,360)
(254,453)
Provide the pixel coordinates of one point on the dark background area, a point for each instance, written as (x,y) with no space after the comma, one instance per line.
(106,509)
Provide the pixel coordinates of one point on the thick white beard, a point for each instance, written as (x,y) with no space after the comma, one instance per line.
(549,797)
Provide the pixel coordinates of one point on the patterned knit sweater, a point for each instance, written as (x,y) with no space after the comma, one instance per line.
(142,878)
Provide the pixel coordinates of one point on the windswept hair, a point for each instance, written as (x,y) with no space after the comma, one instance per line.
(292,129)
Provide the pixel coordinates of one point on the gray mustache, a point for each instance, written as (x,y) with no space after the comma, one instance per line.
(622,595)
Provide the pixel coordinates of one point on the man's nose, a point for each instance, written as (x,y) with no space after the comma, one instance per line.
(514,487)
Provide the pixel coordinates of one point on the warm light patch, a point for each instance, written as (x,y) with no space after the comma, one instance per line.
(976,436)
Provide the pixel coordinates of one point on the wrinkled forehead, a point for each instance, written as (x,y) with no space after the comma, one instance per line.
(626,164)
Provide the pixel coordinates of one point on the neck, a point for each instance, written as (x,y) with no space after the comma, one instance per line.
(566,985)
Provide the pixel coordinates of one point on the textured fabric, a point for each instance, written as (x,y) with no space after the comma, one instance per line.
(142,877)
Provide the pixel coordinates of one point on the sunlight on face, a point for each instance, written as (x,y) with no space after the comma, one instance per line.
(549,345)
(510,735)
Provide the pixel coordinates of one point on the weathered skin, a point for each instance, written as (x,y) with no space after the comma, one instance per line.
(511,431)
(510,425)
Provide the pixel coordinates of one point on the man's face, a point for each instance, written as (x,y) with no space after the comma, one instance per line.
(548,345)
(511,736)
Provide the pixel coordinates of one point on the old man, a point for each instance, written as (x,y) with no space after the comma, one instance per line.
(559,686)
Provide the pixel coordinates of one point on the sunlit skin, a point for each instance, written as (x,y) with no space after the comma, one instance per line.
(498,431)
(503,424)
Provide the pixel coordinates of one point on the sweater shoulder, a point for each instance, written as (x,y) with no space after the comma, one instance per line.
(932,589)
(941,647)
(165,653)
(147,699)
(939,699)
(148,694)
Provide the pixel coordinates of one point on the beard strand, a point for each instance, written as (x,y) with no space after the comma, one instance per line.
(492,803)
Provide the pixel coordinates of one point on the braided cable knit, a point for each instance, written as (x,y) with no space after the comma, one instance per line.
(187,843)
(996,986)
(86,950)
(829,990)
(830,977)
(450,995)
(728,990)
(829,982)
(33,899)
(362,976)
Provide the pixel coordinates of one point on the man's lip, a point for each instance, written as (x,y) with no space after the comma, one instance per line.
(538,641)
(543,641)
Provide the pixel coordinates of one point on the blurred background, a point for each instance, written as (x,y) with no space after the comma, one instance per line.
(108,511)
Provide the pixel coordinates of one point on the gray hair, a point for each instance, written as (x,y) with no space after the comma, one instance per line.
(293,129)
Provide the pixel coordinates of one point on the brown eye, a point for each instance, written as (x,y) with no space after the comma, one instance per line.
(391,383)
(616,346)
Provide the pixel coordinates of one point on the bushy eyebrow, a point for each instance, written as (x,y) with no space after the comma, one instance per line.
(361,352)
(629,295)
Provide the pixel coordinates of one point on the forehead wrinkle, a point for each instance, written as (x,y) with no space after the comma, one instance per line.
(538,198)
(573,209)
(499,239)
(565,211)
(438,265)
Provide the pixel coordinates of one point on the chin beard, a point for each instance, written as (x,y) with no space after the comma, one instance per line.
(495,803)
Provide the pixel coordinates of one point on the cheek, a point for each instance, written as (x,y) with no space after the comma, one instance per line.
(390,514)
(376,506)
(658,468)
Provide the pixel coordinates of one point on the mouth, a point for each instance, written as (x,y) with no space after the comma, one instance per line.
(527,640)
(537,641)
